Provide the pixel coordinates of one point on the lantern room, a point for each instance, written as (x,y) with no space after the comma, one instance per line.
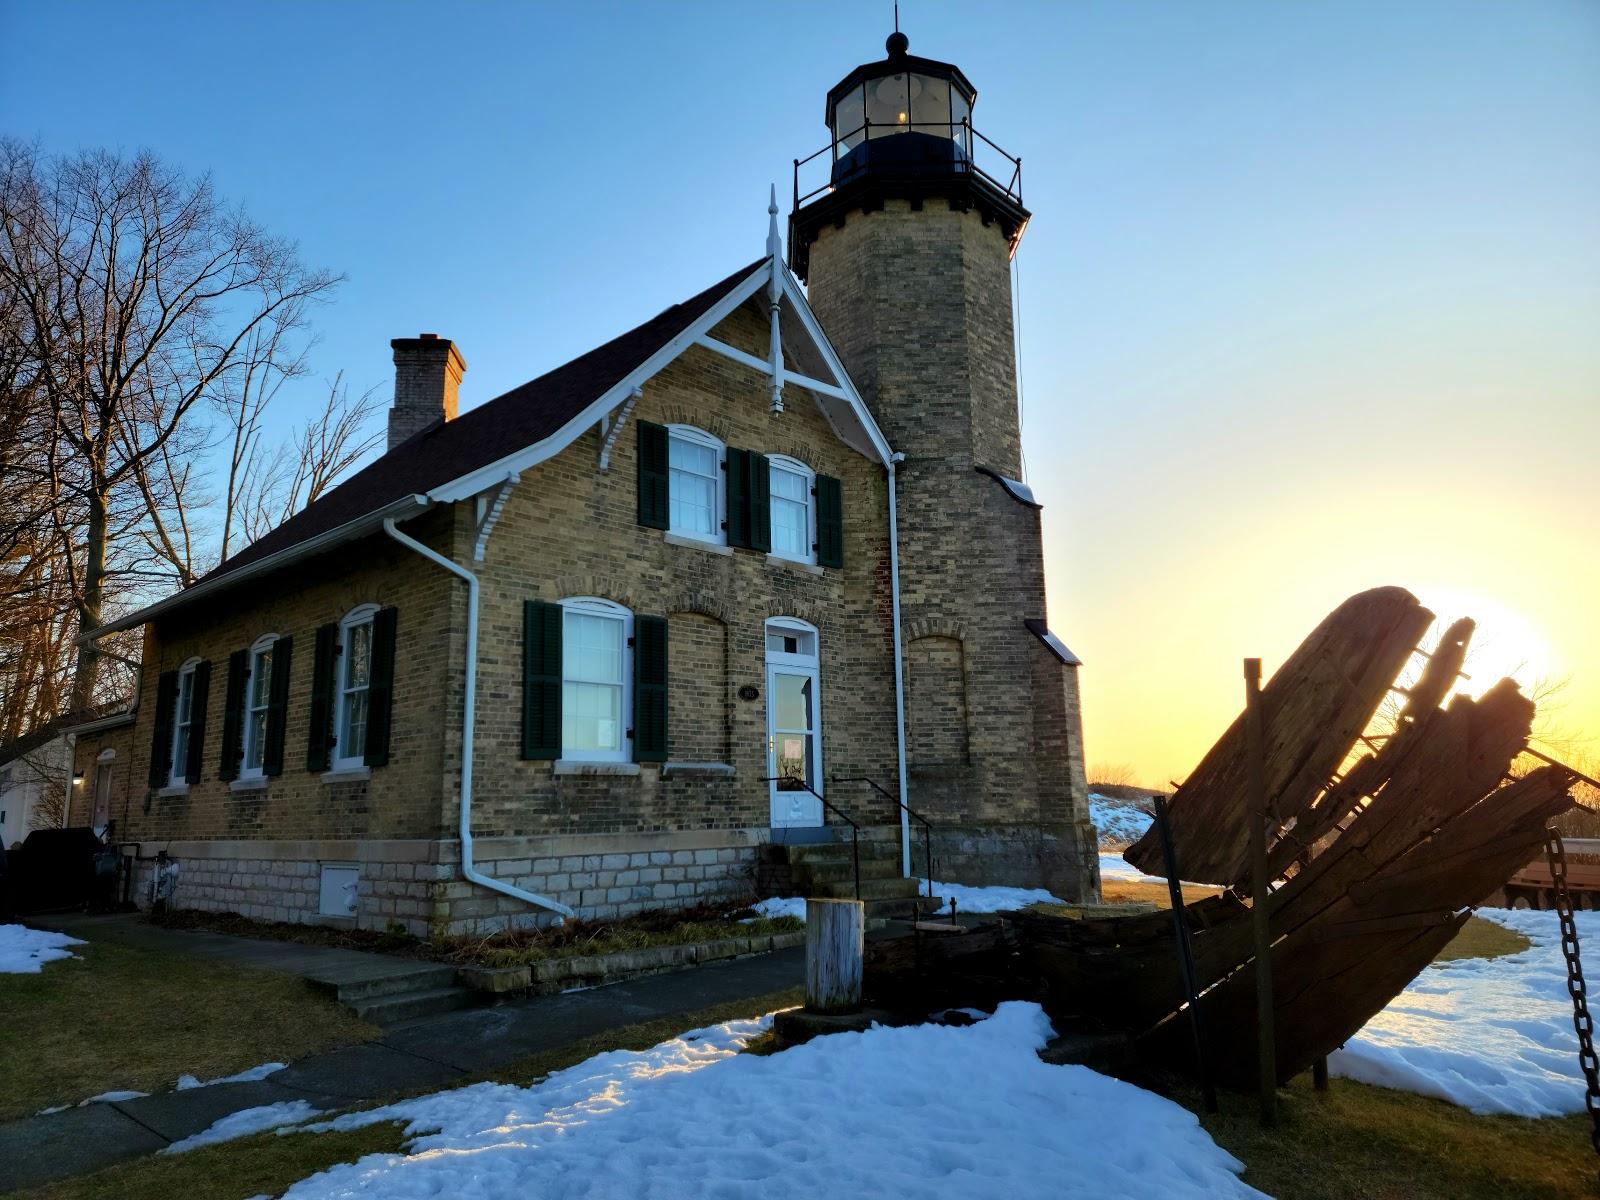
(901,128)
(927,103)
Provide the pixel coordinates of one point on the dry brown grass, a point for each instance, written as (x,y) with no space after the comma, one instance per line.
(120,1018)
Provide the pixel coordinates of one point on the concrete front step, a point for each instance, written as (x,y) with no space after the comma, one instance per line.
(356,987)
(872,850)
(894,888)
(405,1006)
(825,873)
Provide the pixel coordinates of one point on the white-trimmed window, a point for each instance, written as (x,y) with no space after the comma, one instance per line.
(257,699)
(182,722)
(694,483)
(596,680)
(354,680)
(794,514)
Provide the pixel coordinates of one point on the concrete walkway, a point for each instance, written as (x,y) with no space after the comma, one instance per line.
(434,1052)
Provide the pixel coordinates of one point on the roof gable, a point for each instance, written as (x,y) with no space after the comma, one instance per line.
(486,445)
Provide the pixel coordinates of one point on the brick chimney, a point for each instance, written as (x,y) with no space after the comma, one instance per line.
(427,375)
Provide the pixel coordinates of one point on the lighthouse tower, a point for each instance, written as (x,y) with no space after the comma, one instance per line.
(903,229)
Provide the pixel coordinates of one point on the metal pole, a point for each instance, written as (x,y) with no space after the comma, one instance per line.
(1186,970)
(1255,753)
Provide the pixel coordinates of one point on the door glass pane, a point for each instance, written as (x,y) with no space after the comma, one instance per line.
(792,760)
(791,702)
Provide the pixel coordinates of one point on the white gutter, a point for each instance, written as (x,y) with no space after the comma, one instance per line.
(899,669)
(468,704)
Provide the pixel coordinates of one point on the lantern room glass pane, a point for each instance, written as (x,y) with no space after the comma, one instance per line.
(961,111)
(930,105)
(848,115)
(888,105)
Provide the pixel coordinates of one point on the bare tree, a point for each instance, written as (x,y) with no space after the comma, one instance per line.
(138,296)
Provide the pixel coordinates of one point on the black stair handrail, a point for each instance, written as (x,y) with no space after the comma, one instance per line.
(855,830)
(927,826)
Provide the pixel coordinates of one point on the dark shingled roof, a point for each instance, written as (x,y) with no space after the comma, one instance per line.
(519,418)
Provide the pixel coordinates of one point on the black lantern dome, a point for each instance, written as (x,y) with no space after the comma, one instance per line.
(902,128)
(923,105)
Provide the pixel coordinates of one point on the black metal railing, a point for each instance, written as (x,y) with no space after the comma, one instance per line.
(800,785)
(927,826)
(1003,172)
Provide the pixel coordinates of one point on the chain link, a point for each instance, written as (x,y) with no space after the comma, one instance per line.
(1582,1022)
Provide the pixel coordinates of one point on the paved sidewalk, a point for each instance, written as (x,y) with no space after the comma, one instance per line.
(433,1052)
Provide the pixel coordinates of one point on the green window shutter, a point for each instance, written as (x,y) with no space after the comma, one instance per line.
(738,487)
(161,738)
(760,492)
(277,707)
(654,509)
(830,522)
(232,716)
(324,664)
(380,688)
(649,689)
(541,680)
(199,698)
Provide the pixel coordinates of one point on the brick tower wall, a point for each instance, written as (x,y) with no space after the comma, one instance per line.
(918,304)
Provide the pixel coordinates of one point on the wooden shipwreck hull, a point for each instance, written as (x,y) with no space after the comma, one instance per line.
(1377,854)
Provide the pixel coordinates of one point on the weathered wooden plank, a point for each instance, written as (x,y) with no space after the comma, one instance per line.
(1315,706)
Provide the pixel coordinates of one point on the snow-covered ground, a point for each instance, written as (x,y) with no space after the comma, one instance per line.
(1118,822)
(987,899)
(24,951)
(931,1111)
(1493,1035)
(247,1121)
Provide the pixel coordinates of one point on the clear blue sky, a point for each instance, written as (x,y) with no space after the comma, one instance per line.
(1296,269)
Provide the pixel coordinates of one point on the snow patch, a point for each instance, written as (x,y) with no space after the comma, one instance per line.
(24,951)
(987,899)
(1118,822)
(854,1114)
(247,1121)
(781,906)
(111,1098)
(1493,1035)
(188,1082)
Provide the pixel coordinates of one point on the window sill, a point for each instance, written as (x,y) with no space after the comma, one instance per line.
(175,789)
(697,769)
(694,543)
(347,774)
(778,560)
(257,784)
(577,766)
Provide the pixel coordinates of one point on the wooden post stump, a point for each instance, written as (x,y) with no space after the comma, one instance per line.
(835,942)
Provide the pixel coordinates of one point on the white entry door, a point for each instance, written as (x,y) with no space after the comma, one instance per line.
(794,725)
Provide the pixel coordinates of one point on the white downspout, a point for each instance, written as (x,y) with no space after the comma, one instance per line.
(899,669)
(469,703)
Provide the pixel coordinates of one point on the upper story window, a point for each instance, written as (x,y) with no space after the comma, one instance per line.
(355,681)
(694,483)
(183,715)
(257,702)
(595,679)
(792,512)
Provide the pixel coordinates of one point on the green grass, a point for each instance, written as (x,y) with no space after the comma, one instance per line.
(1355,1142)
(266,1164)
(123,1018)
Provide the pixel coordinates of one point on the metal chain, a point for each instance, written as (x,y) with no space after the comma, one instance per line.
(1582,1022)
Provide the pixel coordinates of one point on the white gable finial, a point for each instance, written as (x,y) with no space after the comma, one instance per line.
(774,246)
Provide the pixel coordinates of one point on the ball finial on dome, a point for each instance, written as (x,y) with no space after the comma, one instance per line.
(897,44)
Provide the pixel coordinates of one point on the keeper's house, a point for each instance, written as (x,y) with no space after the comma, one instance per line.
(605,642)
